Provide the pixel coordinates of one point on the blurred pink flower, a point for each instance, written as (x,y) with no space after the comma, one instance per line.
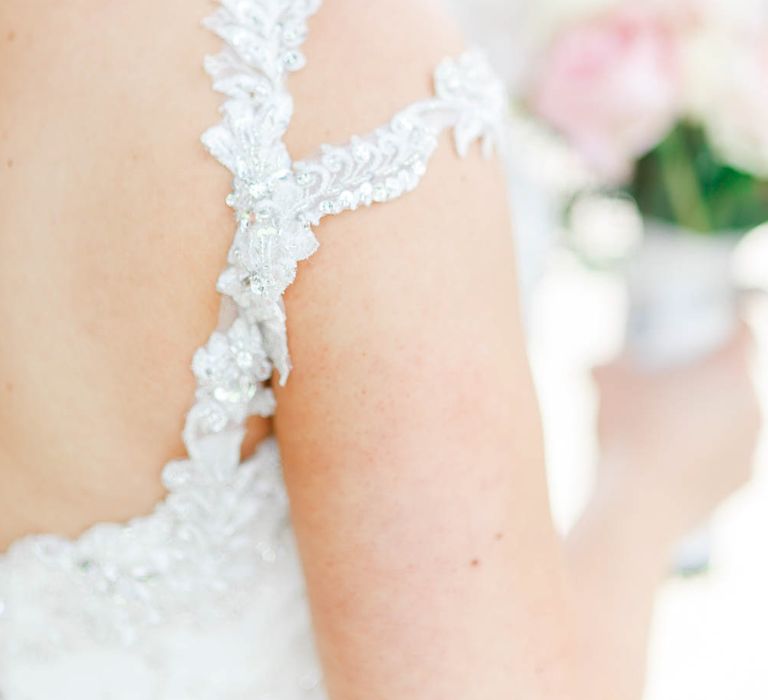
(611,86)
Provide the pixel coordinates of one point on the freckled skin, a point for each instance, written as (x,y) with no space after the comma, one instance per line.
(406,443)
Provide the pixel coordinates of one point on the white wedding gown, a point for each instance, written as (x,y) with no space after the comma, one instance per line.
(204,599)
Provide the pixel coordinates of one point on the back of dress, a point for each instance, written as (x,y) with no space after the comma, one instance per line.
(204,598)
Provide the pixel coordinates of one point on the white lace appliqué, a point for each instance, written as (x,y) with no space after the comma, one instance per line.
(224,523)
(276,208)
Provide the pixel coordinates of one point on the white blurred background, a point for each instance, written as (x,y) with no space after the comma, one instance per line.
(710,637)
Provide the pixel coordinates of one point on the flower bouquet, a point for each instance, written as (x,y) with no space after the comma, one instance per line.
(669,107)
(667,104)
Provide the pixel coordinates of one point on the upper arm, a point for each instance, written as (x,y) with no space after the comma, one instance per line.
(408,428)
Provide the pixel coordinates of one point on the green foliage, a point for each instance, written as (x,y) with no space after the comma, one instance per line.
(682,181)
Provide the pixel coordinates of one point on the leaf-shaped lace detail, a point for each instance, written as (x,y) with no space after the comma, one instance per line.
(392,159)
(469,85)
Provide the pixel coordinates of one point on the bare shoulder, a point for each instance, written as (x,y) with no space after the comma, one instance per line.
(435,266)
(408,429)
(404,297)
(365,61)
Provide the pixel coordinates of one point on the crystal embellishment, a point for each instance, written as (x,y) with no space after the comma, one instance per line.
(232,368)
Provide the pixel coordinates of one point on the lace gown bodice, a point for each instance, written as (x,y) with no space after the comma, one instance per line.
(204,598)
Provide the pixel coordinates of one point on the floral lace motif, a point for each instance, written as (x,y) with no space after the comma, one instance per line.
(277,208)
(224,523)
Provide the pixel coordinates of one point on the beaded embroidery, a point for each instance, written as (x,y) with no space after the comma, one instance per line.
(224,523)
(276,209)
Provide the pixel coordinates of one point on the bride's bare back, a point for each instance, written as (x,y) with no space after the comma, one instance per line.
(113,229)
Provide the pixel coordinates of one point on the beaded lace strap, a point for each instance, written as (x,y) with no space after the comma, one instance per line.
(276,202)
(277,211)
(262,41)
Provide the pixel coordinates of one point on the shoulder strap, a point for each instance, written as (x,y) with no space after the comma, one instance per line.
(276,201)
(262,45)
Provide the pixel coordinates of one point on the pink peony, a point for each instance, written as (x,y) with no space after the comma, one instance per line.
(611,85)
